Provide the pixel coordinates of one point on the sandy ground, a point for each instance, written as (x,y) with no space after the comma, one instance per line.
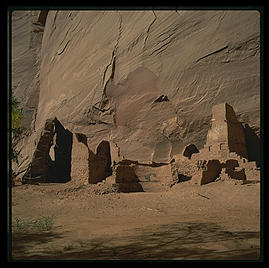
(216,221)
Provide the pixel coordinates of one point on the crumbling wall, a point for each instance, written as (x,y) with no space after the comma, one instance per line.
(97,167)
(211,171)
(88,167)
(80,159)
(226,141)
(233,170)
(154,178)
(100,163)
(218,132)
(45,169)
(38,170)
(126,179)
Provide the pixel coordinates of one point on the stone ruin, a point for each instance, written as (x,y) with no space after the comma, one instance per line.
(61,156)
(51,161)
(225,153)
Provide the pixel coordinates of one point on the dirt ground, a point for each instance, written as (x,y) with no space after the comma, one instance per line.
(217,221)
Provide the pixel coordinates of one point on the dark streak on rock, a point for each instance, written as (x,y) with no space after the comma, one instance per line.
(155,17)
(61,52)
(214,52)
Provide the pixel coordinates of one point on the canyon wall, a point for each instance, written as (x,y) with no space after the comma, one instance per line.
(147,80)
(26,40)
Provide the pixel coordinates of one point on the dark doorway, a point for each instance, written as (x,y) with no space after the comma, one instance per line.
(103,149)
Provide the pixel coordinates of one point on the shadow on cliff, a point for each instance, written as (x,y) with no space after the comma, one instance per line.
(253,145)
(60,168)
(158,242)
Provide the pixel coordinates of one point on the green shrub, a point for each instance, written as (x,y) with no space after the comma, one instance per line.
(16,129)
(16,116)
(44,223)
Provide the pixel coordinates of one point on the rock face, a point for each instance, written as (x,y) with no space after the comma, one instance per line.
(148,84)
(105,82)
(27,33)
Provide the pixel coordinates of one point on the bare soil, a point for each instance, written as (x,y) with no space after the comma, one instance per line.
(217,221)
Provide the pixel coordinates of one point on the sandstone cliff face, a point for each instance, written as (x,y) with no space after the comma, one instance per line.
(26,42)
(147,80)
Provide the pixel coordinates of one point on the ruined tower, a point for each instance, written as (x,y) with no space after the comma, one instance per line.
(225,150)
(226,134)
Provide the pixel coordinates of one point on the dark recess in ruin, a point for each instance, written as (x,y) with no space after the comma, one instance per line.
(60,168)
(189,150)
(253,145)
(103,149)
(82,138)
(54,137)
(182,177)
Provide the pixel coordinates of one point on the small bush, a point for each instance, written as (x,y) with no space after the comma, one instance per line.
(44,223)
(16,129)
(20,225)
(16,116)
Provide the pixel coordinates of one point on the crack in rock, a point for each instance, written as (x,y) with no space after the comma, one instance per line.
(147,33)
(212,53)
(113,64)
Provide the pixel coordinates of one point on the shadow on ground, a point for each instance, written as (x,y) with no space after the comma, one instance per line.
(187,241)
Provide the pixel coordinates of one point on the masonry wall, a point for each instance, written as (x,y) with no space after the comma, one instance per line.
(79,160)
